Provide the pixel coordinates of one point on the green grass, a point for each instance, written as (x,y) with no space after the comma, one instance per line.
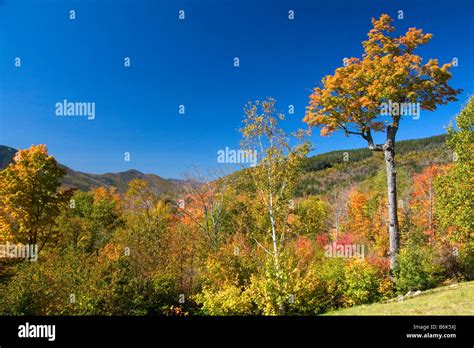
(457,299)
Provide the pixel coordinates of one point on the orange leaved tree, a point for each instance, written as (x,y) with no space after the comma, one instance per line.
(423,198)
(373,93)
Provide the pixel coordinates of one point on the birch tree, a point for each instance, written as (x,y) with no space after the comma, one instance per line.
(275,176)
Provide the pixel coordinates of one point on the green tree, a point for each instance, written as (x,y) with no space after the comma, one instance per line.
(91,220)
(455,190)
(312,213)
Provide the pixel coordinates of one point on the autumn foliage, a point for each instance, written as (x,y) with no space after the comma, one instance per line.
(31,197)
(249,243)
(351,98)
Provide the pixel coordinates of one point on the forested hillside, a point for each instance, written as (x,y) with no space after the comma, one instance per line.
(337,169)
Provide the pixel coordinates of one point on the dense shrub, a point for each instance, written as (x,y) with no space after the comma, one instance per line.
(416,270)
(365,283)
(78,284)
(229,299)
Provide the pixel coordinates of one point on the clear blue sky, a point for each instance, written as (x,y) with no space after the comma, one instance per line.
(190,62)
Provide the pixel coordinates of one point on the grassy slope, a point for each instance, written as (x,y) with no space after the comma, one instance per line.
(457,299)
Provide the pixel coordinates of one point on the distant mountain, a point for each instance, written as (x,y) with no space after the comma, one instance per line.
(120,180)
(6,156)
(86,181)
(322,172)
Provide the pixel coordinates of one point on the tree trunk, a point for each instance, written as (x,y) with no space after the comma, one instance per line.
(336,204)
(389,154)
(281,305)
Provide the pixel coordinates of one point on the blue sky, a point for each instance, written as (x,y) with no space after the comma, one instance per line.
(190,62)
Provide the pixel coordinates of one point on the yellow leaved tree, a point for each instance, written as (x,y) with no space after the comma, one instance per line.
(30,197)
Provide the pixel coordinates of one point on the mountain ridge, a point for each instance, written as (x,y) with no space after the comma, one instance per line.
(317,163)
(86,181)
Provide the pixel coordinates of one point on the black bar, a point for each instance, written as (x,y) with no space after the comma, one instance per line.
(290,331)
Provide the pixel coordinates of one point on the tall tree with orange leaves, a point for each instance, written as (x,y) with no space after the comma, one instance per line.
(389,73)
